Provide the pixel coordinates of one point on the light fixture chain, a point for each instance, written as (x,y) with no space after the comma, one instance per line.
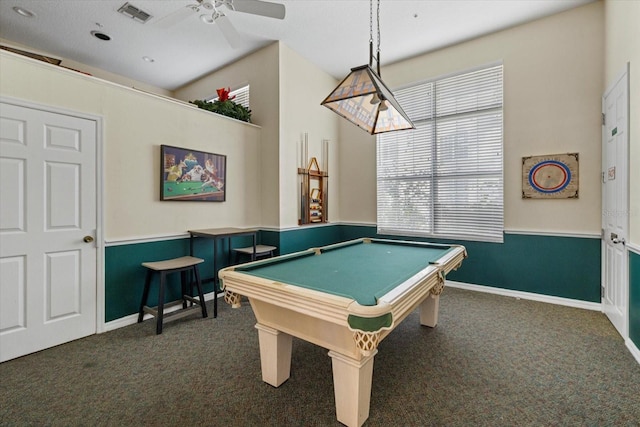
(377,109)
(378,23)
(370,21)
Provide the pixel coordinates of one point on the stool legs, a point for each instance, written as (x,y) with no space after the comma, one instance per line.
(203,306)
(186,287)
(145,295)
(215,298)
(160,315)
(183,289)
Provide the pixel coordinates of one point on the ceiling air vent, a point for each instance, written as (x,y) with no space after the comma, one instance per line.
(134,13)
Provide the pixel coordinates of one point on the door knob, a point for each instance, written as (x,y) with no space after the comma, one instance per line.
(88,239)
(616,241)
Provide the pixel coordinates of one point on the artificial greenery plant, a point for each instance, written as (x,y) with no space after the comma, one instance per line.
(225,106)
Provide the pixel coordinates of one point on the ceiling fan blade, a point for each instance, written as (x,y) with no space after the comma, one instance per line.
(258,7)
(175,17)
(229,31)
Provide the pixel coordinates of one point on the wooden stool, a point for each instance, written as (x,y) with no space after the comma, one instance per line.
(262,251)
(182,265)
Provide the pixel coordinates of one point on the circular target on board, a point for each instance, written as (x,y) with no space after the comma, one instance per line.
(549,176)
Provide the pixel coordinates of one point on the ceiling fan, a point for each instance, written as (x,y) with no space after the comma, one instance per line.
(211,13)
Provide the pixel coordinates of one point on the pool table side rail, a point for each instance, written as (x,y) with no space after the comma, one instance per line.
(282,258)
(453,259)
(248,266)
(408,243)
(289,296)
(427,283)
(367,240)
(307,252)
(316,251)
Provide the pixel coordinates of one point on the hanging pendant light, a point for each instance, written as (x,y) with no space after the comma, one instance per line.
(364,99)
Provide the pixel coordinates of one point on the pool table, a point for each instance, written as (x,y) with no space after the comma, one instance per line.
(346,298)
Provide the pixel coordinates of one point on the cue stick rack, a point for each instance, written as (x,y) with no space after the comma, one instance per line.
(313,187)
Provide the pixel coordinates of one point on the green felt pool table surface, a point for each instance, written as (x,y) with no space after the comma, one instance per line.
(363,270)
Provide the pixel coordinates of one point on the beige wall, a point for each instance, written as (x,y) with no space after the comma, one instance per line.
(303,87)
(358,201)
(286,91)
(622,23)
(553,76)
(261,71)
(135,124)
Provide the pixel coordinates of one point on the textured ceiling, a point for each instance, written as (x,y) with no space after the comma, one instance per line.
(333,34)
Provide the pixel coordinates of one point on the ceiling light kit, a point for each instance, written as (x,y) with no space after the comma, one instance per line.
(363,98)
(207,19)
(211,13)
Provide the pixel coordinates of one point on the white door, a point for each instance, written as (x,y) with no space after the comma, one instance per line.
(48,256)
(615,203)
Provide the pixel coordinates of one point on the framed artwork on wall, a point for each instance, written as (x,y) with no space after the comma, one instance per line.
(192,175)
(553,176)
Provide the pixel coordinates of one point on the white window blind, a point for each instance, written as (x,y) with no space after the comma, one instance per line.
(444,179)
(241,96)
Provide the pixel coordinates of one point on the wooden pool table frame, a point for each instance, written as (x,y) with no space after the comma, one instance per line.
(283,310)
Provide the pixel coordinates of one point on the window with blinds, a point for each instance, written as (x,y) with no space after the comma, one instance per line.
(444,179)
(241,96)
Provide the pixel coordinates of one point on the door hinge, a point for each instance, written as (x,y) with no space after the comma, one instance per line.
(604,117)
(601,292)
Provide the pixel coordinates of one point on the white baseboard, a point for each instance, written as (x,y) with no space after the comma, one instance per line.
(527,295)
(635,352)
(132,319)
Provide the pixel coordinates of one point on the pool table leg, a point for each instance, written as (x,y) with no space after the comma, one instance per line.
(275,355)
(352,387)
(429,311)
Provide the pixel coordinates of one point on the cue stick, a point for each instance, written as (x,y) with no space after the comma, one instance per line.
(325,181)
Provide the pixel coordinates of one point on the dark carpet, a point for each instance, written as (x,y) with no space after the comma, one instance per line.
(492,361)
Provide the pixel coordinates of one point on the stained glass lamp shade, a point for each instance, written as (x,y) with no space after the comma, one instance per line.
(364,99)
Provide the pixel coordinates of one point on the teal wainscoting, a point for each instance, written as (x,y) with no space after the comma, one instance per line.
(299,239)
(634,298)
(124,274)
(567,267)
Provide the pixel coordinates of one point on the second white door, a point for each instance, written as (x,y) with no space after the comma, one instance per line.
(615,203)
